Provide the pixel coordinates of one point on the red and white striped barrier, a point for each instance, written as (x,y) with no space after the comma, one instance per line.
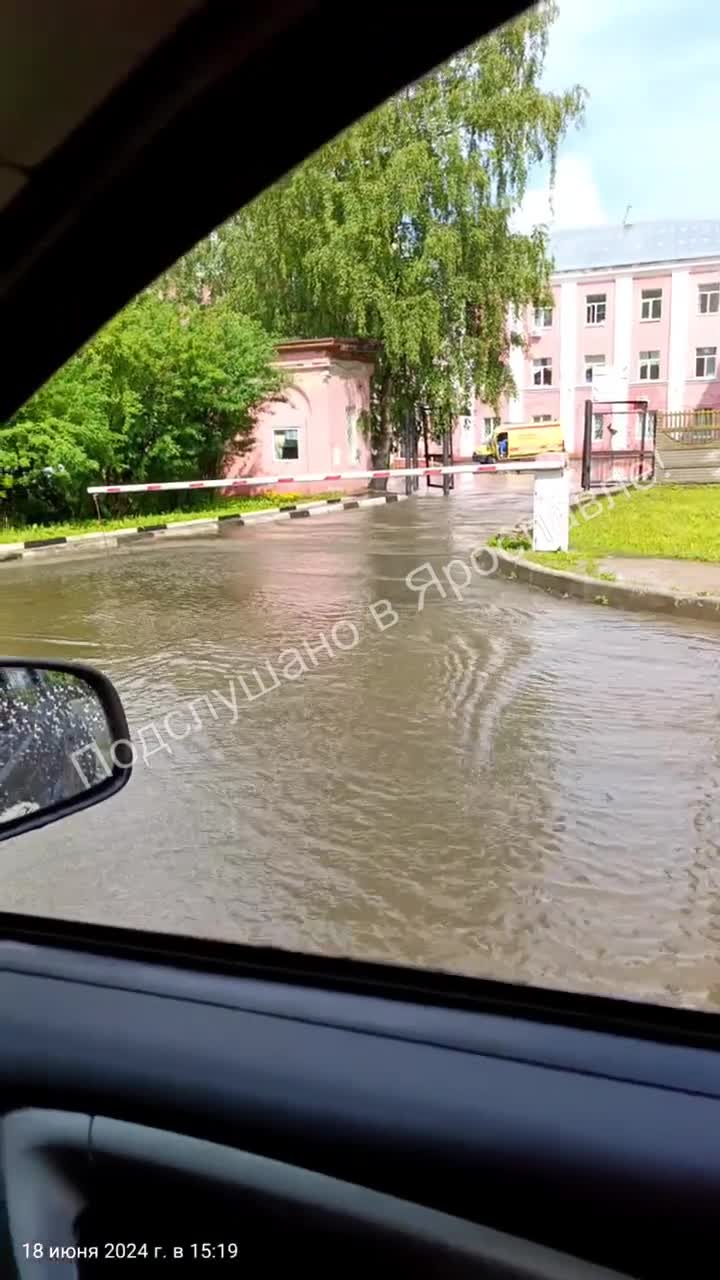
(550,462)
(551,503)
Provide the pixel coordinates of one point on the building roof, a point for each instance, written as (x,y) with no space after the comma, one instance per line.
(584,248)
(329,348)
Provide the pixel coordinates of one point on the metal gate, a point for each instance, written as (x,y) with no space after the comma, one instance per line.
(442,459)
(605,462)
(442,456)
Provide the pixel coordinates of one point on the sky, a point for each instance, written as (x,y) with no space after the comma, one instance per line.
(652,72)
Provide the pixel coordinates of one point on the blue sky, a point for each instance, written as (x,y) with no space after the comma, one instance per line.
(652,70)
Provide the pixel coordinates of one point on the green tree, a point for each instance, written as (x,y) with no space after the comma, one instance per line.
(400,229)
(56,445)
(165,391)
(182,385)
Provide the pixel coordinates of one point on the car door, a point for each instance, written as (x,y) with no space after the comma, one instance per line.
(162,1095)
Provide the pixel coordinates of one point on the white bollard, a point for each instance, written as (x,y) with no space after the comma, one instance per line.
(551,510)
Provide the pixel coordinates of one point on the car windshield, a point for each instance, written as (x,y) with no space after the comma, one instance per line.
(418,649)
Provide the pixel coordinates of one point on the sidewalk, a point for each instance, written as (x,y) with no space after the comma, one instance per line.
(692,577)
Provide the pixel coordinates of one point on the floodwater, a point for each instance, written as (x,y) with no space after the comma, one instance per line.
(509,785)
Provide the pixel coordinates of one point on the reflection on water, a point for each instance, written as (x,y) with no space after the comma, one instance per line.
(510,785)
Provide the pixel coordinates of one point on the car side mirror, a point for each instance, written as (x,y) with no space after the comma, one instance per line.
(63,742)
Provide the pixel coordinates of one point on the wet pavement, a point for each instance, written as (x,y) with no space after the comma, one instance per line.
(505,783)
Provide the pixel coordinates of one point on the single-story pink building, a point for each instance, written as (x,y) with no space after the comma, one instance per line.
(317,423)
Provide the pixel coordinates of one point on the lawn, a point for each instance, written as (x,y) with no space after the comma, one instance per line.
(567,561)
(228,506)
(679,522)
(570,562)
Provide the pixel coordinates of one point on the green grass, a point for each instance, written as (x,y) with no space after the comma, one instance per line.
(571,562)
(229,506)
(678,522)
(669,521)
(510,541)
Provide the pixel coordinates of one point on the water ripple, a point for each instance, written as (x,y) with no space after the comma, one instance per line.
(506,784)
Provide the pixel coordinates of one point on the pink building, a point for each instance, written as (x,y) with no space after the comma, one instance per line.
(317,423)
(641,302)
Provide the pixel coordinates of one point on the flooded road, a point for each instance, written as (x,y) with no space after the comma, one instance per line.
(509,784)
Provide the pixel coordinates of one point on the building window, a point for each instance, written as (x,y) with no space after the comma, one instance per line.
(709,299)
(592,365)
(542,372)
(644,427)
(542,417)
(490,424)
(649,366)
(705,362)
(651,304)
(351,434)
(595,308)
(543,317)
(598,426)
(287,444)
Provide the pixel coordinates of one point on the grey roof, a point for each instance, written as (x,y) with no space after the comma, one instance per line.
(639,242)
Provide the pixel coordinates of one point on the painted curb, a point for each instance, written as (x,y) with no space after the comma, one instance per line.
(54,548)
(596,591)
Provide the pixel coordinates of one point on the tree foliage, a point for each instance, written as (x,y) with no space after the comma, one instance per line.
(56,445)
(165,391)
(400,229)
(181,386)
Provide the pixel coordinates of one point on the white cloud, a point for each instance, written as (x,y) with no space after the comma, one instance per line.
(574,201)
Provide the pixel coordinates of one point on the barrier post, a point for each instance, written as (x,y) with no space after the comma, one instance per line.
(551,510)
(448,481)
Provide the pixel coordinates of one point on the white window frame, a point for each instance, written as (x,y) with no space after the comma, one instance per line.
(592,363)
(651,305)
(490,425)
(542,371)
(648,360)
(284,431)
(543,318)
(598,428)
(593,303)
(710,295)
(542,417)
(708,356)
